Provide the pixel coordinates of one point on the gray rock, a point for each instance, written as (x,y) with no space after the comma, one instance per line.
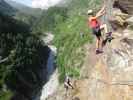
(130,20)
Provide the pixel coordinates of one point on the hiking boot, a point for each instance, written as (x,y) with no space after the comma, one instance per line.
(98,51)
(108,34)
(109,37)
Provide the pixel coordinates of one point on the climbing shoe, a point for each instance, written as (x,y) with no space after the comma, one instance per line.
(98,51)
(109,36)
(109,39)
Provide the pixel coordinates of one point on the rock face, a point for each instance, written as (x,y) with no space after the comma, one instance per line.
(110,77)
(125,6)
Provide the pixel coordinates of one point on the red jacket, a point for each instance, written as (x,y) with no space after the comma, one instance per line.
(93,22)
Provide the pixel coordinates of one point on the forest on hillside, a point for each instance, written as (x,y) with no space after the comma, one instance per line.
(21,55)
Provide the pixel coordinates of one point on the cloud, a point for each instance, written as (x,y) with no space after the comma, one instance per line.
(44,4)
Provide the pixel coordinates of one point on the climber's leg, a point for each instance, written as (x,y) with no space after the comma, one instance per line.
(108,34)
(104,27)
(98,43)
(66,86)
(97,33)
(97,46)
(70,85)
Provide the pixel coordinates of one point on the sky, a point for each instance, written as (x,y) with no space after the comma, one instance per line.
(44,4)
(25,2)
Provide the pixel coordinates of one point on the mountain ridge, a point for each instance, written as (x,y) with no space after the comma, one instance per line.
(5,8)
(24,9)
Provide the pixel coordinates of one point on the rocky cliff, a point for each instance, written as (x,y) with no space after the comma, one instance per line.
(108,76)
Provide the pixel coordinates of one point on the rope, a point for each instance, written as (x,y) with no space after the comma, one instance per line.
(108,14)
(128,83)
(103,19)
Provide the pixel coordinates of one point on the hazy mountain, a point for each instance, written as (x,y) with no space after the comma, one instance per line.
(6,8)
(24,9)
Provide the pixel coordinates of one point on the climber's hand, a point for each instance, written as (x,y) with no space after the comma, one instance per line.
(104,12)
(101,12)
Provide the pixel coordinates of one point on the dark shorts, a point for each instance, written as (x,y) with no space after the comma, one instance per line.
(97,32)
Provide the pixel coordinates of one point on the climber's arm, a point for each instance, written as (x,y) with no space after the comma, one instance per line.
(101,12)
(102,9)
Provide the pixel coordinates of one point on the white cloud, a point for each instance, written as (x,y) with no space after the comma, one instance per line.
(44,4)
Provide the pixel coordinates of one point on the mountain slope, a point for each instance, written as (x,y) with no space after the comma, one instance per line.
(72,33)
(24,9)
(6,8)
(26,55)
(22,12)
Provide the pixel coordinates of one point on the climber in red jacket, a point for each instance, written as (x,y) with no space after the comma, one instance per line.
(96,27)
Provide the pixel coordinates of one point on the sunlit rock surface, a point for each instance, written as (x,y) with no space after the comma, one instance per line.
(108,76)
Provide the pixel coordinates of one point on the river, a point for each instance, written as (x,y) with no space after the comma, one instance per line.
(52,73)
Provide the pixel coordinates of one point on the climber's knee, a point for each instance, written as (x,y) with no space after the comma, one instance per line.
(104,27)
